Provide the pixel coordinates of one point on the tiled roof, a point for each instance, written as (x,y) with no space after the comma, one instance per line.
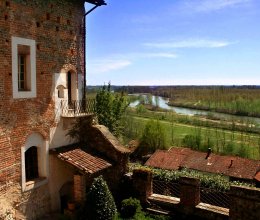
(232,166)
(257,176)
(84,161)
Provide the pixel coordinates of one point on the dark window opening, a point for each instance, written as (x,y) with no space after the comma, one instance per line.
(38,47)
(38,24)
(68,22)
(7,4)
(31,163)
(69,88)
(48,17)
(57,28)
(21,72)
(58,19)
(6,17)
(24,80)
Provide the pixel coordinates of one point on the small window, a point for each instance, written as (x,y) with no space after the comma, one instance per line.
(58,19)
(31,164)
(60,89)
(48,16)
(23,68)
(21,72)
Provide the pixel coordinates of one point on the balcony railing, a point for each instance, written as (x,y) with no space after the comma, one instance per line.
(77,108)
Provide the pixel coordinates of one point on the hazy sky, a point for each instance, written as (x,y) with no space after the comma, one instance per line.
(174,42)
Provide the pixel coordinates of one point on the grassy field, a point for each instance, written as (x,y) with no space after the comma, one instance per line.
(221,141)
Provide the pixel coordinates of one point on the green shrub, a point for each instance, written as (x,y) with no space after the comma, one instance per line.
(153,138)
(100,204)
(214,181)
(130,207)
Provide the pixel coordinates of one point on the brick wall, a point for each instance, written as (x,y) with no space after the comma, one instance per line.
(55,27)
(245,201)
(100,139)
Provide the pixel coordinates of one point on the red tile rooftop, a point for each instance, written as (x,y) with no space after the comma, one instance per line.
(257,176)
(177,158)
(84,161)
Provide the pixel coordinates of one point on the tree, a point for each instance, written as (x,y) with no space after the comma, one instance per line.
(153,138)
(100,204)
(110,108)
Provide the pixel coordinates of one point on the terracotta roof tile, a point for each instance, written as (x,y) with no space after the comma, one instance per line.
(257,176)
(84,161)
(232,166)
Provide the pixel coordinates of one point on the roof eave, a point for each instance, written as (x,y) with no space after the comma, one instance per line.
(96,2)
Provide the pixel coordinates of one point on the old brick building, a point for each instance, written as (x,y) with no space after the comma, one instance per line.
(41,75)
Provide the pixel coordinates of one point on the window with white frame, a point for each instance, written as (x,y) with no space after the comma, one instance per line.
(23,68)
(34,162)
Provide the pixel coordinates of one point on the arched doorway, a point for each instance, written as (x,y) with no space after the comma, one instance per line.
(66,195)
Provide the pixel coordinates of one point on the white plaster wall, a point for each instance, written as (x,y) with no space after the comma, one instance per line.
(60,173)
(58,134)
(36,139)
(80,86)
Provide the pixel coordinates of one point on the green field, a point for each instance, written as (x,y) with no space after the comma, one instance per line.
(221,141)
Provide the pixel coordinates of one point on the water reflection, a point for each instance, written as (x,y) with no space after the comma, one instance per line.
(162,103)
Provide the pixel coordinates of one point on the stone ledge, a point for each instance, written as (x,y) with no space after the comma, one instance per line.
(212,208)
(164,199)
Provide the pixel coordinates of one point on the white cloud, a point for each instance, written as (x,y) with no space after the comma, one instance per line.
(193,43)
(162,55)
(107,65)
(214,5)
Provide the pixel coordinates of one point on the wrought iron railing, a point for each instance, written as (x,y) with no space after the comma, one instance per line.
(214,197)
(166,188)
(207,195)
(76,108)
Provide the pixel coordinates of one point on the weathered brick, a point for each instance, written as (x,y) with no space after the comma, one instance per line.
(55,39)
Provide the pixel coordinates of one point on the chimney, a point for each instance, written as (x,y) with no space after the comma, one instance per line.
(208,153)
(231,163)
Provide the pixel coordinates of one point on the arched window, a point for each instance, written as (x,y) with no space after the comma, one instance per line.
(31,163)
(34,157)
(60,89)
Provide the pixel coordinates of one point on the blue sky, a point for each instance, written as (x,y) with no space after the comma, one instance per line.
(174,42)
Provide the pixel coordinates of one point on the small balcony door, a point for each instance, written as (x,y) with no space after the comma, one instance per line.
(69,88)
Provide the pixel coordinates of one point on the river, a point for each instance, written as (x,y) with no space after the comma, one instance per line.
(162,103)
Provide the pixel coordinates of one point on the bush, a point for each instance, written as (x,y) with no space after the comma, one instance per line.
(214,181)
(100,204)
(130,207)
(193,141)
(153,138)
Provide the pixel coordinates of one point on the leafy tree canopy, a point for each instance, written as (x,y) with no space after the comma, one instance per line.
(110,108)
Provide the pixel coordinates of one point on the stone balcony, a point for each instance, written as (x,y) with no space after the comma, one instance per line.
(77,108)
